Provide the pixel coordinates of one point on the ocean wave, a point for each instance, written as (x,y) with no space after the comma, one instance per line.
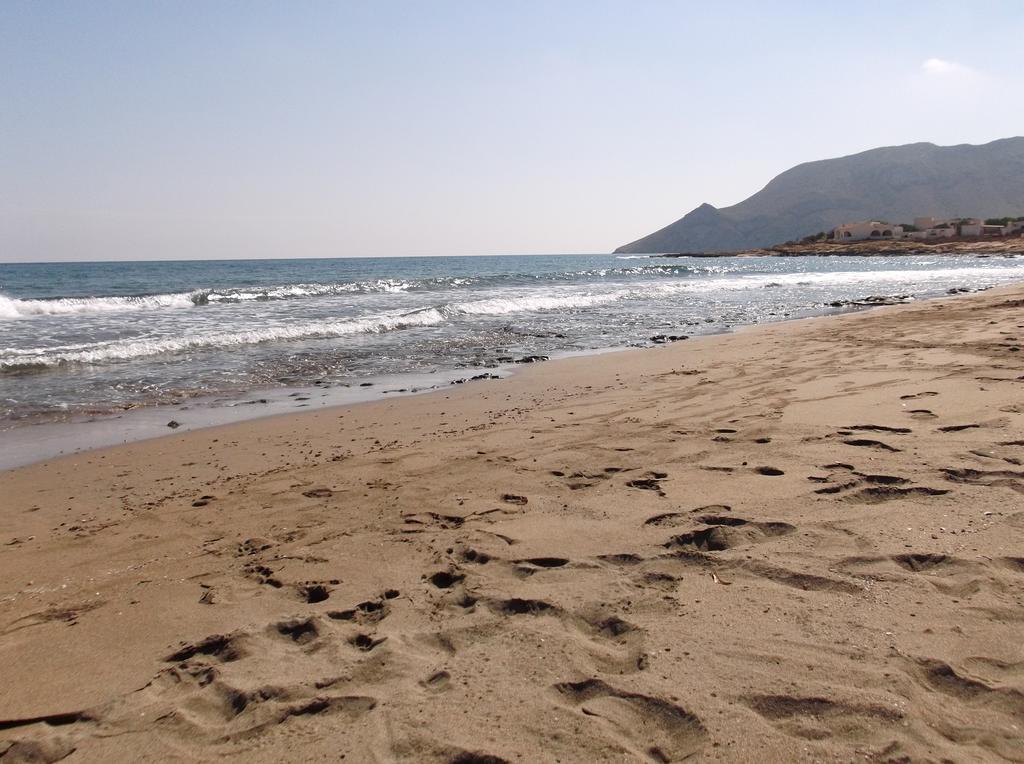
(496,302)
(293,291)
(69,306)
(503,306)
(14,308)
(127,350)
(24,308)
(25,359)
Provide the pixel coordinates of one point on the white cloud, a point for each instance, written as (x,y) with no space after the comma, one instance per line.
(938,67)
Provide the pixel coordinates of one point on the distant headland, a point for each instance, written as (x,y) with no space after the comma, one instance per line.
(933,236)
(894,183)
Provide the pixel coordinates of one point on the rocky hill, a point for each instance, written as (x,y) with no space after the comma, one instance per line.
(896,184)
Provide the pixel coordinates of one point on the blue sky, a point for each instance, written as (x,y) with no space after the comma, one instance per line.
(138,130)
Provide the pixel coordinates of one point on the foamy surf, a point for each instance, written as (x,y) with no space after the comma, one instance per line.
(93,337)
(11,308)
(13,359)
(14,308)
(130,350)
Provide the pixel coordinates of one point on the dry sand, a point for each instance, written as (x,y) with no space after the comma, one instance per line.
(803,541)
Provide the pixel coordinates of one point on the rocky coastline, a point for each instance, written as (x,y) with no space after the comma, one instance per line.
(1013,246)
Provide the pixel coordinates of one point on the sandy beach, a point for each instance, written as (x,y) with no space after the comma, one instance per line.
(799,542)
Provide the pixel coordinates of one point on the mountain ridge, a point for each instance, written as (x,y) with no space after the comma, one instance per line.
(894,183)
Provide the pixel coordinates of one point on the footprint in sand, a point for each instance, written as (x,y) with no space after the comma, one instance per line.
(445,579)
(224,648)
(728,532)
(967,710)
(867,443)
(879,488)
(958,427)
(312,592)
(366,642)
(679,518)
(881,494)
(262,574)
(648,727)
(1012,479)
(615,645)
(587,478)
(915,396)
(797,580)
(318,493)
(531,565)
(370,611)
(879,428)
(301,631)
(421,521)
(816,718)
(437,682)
(953,576)
(652,482)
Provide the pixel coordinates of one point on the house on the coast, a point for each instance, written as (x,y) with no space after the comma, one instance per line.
(869,229)
(927,229)
(933,228)
(978,228)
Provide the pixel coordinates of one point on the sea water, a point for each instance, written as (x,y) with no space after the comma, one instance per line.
(86,340)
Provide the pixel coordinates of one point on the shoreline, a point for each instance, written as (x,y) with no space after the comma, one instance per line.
(33,442)
(795,541)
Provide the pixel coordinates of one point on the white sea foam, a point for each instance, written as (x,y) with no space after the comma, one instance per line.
(502,306)
(126,350)
(13,308)
(291,291)
(502,302)
(910,278)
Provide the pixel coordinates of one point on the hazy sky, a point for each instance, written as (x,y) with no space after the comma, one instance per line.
(137,130)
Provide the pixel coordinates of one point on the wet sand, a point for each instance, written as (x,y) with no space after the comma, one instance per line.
(800,542)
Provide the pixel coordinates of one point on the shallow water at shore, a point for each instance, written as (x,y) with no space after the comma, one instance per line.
(88,339)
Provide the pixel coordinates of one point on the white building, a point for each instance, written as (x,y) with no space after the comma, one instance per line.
(928,229)
(933,228)
(978,228)
(869,229)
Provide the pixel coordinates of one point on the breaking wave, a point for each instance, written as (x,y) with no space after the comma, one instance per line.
(125,350)
(490,303)
(25,308)
(12,308)
(14,360)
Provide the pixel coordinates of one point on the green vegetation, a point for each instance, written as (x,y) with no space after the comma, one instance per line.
(819,236)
